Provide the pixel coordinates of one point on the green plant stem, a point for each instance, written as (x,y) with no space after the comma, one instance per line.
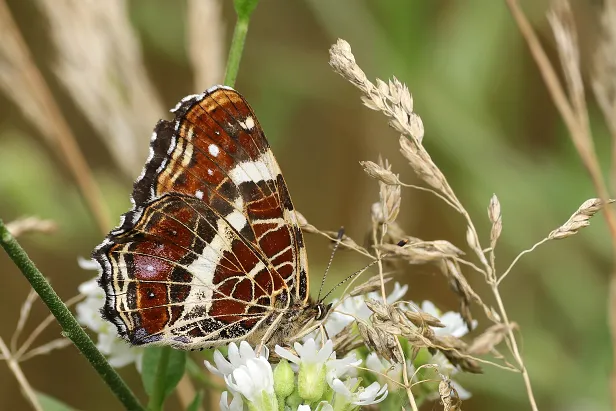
(158,395)
(235,50)
(70,327)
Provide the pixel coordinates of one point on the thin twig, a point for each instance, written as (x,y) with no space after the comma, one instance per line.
(502,277)
(429,190)
(379,260)
(23,348)
(19,375)
(407,384)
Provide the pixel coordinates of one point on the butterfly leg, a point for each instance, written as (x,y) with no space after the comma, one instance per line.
(269,333)
(324,335)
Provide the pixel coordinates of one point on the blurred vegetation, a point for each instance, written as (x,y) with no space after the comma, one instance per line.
(490,126)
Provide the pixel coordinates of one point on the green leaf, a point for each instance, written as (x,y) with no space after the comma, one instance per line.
(175,369)
(51,404)
(244,8)
(194,405)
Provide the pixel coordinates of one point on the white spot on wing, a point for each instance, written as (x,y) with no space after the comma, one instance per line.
(199,194)
(213,149)
(247,124)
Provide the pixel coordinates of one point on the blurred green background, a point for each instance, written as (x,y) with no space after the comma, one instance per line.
(490,125)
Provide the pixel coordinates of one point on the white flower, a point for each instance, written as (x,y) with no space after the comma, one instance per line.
(237,357)
(309,355)
(373,394)
(236,403)
(255,382)
(338,368)
(117,351)
(322,406)
(453,321)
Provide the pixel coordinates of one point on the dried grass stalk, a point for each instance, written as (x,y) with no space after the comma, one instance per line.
(99,61)
(24,84)
(206,42)
(31,225)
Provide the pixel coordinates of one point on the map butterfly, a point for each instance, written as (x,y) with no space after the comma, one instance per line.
(211,251)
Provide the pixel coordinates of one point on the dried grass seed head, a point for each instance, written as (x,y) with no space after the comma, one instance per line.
(342,60)
(579,219)
(417,251)
(380,173)
(421,163)
(494,214)
(494,209)
(490,338)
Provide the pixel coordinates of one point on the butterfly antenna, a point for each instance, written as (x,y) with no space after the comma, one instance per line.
(350,277)
(331,258)
(401,243)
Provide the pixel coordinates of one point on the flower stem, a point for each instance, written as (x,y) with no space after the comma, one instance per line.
(158,395)
(70,327)
(236,49)
(243,9)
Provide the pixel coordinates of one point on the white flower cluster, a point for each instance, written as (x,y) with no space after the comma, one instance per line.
(355,307)
(117,351)
(310,379)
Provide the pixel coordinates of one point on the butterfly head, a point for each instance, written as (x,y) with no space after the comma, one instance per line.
(322,310)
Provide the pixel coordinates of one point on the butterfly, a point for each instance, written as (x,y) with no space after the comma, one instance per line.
(211,251)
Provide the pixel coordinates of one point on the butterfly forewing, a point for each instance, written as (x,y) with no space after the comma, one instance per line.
(212,245)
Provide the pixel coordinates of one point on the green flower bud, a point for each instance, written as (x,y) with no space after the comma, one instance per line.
(284,379)
(294,400)
(263,402)
(311,381)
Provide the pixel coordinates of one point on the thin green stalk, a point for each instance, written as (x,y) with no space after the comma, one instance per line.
(235,50)
(243,9)
(158,395)
(70,327)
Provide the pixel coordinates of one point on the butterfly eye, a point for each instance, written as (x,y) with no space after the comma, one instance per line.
(322,310)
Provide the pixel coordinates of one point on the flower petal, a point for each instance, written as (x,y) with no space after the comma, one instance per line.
(286,354)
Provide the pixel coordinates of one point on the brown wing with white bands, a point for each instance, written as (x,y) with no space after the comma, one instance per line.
(212,236)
